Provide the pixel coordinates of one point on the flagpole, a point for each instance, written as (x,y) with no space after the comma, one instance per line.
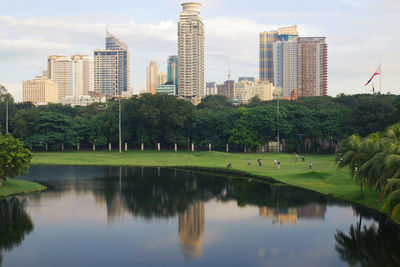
(380,78)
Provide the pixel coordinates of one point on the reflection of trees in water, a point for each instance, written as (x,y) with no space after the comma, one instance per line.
(374,245)
(14,223)
(191,229)
(150,192)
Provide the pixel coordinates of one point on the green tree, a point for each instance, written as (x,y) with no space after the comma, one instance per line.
(241,135)
(351,154)
(14,158)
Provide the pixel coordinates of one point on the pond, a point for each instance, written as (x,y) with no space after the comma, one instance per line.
(119,216)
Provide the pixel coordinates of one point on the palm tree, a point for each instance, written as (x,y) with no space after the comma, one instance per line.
(351,154)
(374,147)
(392,204)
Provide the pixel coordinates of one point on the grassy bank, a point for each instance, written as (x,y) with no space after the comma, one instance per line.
(14,187)
(324,176)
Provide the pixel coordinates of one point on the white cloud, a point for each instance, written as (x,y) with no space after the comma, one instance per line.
(355,44)
(15,89)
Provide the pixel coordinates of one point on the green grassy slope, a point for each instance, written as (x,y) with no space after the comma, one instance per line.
(324,177)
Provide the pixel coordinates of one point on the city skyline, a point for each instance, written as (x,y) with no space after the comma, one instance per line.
(26,40)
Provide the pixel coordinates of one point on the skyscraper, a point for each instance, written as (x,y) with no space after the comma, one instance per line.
(312,66)
(60,71)
(191,53)
(162,78)
(172,71)
(112,67)
(285,67)
(299,64)
(83,75)
(152,77)
(266,55)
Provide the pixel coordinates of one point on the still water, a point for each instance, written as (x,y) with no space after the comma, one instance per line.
(112,216)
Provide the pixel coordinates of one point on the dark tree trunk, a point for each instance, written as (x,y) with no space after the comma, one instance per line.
(361,189)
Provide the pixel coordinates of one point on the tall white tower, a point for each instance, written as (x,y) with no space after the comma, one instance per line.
(191,53)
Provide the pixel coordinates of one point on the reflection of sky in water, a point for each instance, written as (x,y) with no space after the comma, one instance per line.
(84,228)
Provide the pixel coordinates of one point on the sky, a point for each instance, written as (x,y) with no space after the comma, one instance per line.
(361,34)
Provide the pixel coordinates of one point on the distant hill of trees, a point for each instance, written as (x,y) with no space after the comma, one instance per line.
(165,119)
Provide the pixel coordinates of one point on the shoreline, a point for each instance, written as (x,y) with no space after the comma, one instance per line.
(324,179)
(13,187)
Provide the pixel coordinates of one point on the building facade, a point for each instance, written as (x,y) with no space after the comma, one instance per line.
(312,66)
(83,75)
(112,68)
(83,100)
(266,55)
(40,91)
(249,79)
(152,77)
(246,90)
(227,89)
(172,71)
(285,67)
(168,89)
(60,71)
(191,53)
(162,78)
(211,88)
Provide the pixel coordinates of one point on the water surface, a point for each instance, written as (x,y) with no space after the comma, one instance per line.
(117,216)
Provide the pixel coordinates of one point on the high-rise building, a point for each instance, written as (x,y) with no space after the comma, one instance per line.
(285,67)
(266,55)
(40,90)
(112,67)
(299,64)
(83,75)
(191,53)
(227,89)
(162,78)
(312,66)
(60,71)
(152,77)
(211,88)
(172,71)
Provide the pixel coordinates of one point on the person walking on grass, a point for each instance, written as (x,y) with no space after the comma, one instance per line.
(310,165)
(259,162)
(275,163)
(249,162)
(279,164)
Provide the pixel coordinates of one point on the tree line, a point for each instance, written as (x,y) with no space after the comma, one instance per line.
(164,119)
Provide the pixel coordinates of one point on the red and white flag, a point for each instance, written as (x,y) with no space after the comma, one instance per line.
(377,72)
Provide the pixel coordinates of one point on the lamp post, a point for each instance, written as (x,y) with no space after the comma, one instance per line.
(6,115)
(119,124)
(277,128)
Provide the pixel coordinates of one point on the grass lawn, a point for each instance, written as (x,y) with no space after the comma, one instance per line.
(324,176)
(13,187)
